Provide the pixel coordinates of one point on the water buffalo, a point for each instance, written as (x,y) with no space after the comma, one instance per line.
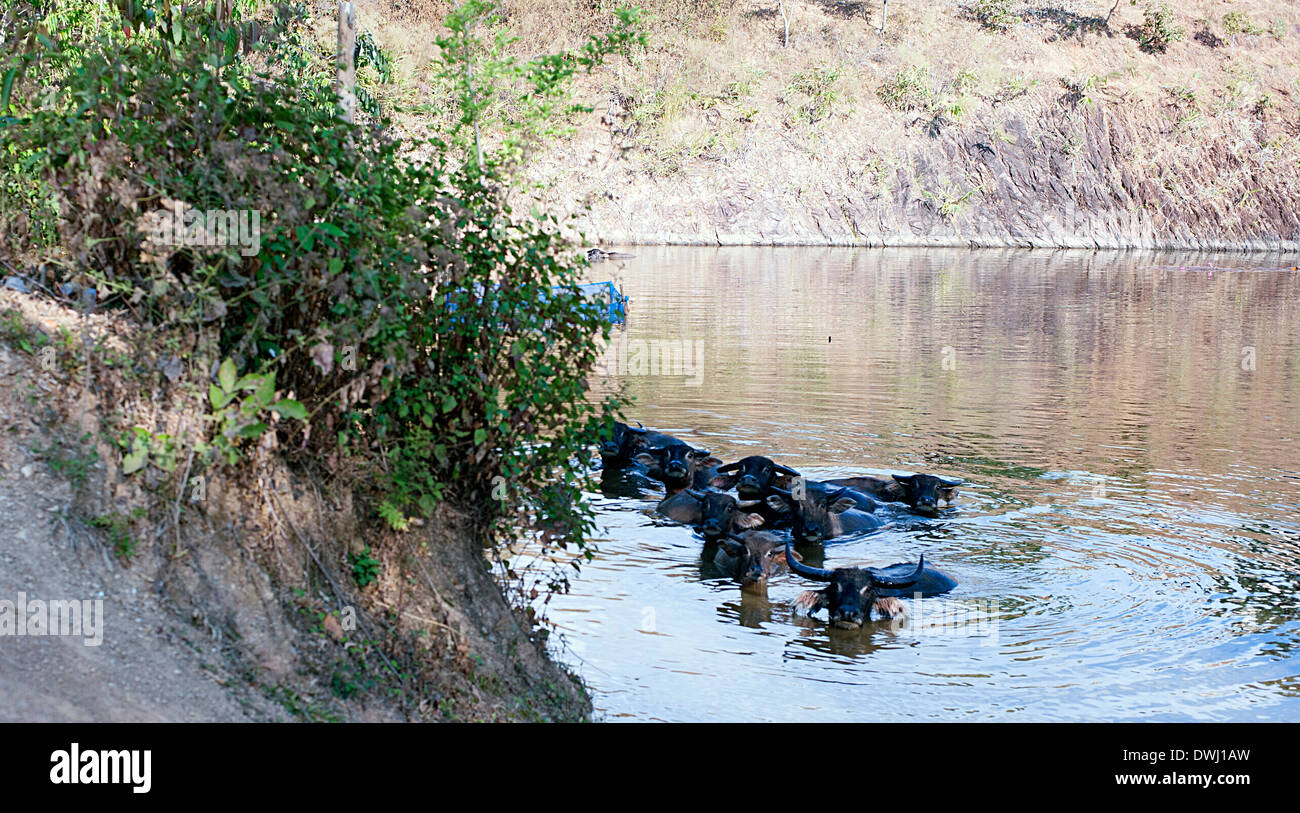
(852,593)
(679,465)
(620,445)
(753,477)
(818,517)
(595,255)
(756,478)
(922,492)
(714,512)
(751,558)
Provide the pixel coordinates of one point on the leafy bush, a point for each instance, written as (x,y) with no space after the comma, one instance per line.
(1157,30)
(397,312)
(1239,22)
(995,15)
(819,85)
(909,89)
(365,568)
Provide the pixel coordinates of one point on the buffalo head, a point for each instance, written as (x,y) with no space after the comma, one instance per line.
(924,492)
(753,476)
(618,443)
(818,517)
(675,464)
(851,592)
(751,558)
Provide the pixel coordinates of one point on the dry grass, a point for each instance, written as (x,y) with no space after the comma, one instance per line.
(717,98)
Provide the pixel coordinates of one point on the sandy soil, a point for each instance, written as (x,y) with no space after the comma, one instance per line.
(150,666)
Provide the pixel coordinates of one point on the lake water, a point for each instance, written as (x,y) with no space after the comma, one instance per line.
(1127,542)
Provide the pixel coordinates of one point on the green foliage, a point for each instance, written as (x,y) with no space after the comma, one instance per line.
(140,447)
(995,15)
(118,527)
(471,341)
(15,330)
(909,89)
(365,568)
(239,406)
(529,101)
(818,85)
(1157,31)
(1239,22)
(72,461)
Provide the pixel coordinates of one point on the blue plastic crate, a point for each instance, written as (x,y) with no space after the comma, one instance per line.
(604,296)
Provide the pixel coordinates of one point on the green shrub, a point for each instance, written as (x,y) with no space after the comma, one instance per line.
(819,86)
(365,568)
(995,15)
(1239,22)
(398,311)
(909,89)
(1157,30)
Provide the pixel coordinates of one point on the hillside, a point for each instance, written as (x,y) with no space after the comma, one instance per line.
(982,123)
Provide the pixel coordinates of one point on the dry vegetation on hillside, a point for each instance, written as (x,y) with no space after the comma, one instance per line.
(718,98)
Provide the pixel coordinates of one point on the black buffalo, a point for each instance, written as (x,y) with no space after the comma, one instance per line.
(757,478)
(922,492)
(851,593)
(818,517)
(679,465)
(713,512)
(620,443)
(751,558)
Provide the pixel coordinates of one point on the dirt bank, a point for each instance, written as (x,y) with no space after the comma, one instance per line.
(243,604)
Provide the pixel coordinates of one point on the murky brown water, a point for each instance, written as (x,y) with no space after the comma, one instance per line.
(1127,546)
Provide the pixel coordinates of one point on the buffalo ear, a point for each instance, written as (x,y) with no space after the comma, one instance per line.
(905,479)
(747,521)
(780,558)
(723,482)
(889,607)
(646,458)
(811,601)
(948,493)
(710,461)
(775,502)
(782,480)
(842,504)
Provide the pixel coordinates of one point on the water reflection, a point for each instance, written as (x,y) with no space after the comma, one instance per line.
(1127,431)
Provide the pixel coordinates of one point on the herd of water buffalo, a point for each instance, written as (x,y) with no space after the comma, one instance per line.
(774,507)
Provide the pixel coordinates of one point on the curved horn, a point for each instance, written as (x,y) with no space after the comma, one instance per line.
(783,494)
(951,481)
(728,467)
(807,572)
(785,470)
(906,581)
(638,429)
